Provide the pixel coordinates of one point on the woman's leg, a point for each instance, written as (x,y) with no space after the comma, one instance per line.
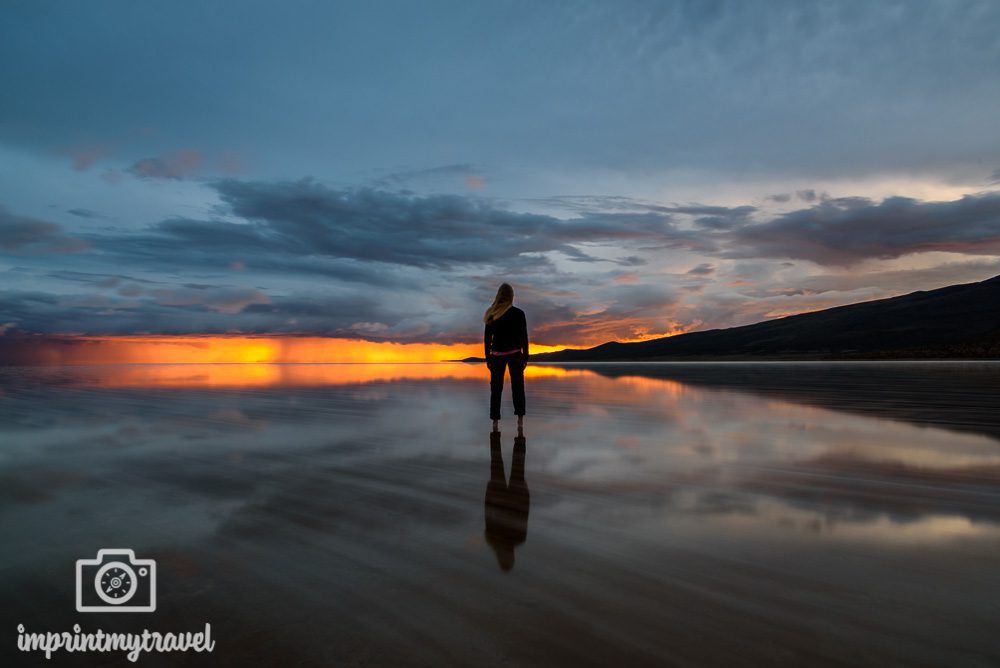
(517,383)
(496,387)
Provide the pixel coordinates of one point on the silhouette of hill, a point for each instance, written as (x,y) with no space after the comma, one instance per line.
(955,322)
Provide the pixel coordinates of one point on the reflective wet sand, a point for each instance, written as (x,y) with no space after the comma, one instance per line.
(652,514)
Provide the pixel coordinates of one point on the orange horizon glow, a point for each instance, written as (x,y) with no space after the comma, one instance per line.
(234,349)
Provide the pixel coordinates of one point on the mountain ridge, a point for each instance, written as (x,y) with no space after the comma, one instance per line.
(953,322)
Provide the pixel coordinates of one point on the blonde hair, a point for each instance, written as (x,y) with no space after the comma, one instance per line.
(503,301)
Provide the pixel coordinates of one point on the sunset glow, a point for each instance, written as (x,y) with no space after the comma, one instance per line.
(238,350)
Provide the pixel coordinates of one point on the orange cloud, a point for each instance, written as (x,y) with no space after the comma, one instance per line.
(630,277)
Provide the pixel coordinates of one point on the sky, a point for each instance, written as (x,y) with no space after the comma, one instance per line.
(371,172)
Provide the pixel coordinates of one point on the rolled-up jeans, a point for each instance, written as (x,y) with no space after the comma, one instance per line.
(497,364)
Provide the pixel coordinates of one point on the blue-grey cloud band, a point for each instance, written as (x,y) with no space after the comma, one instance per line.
(303,257)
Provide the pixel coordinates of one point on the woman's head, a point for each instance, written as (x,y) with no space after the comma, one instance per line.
(504,300)
(505,293)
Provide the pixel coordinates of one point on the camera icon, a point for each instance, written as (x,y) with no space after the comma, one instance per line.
(115,582)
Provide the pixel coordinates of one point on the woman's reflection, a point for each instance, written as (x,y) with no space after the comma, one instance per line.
(506,503)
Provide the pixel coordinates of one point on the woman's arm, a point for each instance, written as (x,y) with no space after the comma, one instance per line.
(487,339)
(524,338)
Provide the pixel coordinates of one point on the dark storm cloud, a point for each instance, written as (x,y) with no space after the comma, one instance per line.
(728,219)
(593,203)
(707,217)
(218,245)
(308,218)
(22,235)
(845,231)
(808,195)
(705,210)
(213,310)
(95,279)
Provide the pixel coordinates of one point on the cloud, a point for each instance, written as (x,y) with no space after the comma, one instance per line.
(95,279)
(307,218)
(593,315)
(303,257)
(21,235)
(845,231)
(234,249)
(617,203)
(806,195)
(703,269)
(370,328)
(214,310)
(83,213)
(173,166)
(218,299)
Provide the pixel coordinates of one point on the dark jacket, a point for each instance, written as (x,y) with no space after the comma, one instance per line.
(508,332)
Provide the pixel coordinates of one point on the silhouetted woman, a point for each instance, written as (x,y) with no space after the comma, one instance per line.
(506,342)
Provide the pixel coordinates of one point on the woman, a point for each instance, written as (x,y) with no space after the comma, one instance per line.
(506,342)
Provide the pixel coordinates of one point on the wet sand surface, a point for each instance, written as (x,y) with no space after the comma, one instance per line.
(653,514)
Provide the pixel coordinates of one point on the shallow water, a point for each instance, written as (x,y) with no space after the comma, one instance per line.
(657,514)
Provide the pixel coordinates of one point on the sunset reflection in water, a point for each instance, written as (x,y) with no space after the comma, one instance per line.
(677,495)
